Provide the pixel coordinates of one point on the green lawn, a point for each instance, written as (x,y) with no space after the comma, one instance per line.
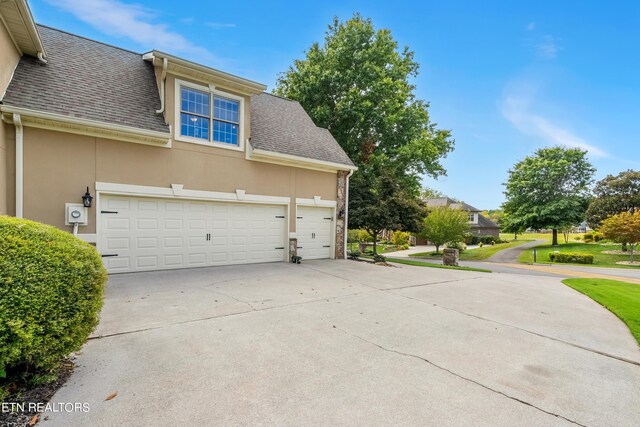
(595,249)
(621,298)
(432,265)
(381,248)
(540,236)
(476,254)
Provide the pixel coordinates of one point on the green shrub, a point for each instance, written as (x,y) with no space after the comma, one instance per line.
(352,236)
(592,236)
(400,238)
(571,257)
(457,245)
(364,236)
(379,258)
(404,247)
(51,291)
(354,254)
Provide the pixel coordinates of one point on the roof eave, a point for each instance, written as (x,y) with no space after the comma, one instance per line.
(70,124)
(192,69)
(267,156)
(26,17)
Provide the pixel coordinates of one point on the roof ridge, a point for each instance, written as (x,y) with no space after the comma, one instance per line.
(89,39)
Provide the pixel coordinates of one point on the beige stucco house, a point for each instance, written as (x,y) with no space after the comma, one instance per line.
(187,165)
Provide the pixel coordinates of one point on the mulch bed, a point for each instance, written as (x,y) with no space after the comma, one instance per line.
(25,394)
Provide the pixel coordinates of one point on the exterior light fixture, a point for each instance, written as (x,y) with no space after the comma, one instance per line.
(341,214)
(87,199)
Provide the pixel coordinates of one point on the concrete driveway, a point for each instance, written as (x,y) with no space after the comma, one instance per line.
(349,343)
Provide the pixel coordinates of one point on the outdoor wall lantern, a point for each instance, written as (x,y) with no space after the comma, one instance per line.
(341,214)
(87,199)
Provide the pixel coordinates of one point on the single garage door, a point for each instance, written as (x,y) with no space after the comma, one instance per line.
(314,227)
(139,233)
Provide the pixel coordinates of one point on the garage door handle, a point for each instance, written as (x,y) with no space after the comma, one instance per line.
(281,247)
(329,218)
(115,212)
(326,246)
(299,247)
(279,216)
(108,255)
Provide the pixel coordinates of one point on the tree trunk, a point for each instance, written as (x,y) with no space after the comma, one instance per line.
(437,249)
(555,237)
(375,243)
(515,236)
(632,247)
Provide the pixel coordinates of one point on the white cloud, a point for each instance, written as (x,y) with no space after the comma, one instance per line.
(516,108)
(531,26)
(220,25)
(132,21)
(547,48)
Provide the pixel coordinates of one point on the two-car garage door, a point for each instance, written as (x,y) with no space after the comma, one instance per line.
(138,234)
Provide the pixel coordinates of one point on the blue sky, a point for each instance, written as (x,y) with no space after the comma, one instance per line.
(506,77)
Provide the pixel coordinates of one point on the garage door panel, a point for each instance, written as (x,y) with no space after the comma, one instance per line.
(144,234)
(314,228)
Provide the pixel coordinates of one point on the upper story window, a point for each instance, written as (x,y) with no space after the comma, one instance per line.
(209,116)
(472,217)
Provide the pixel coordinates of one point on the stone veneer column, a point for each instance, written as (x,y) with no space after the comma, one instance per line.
(341,207)
(293,247)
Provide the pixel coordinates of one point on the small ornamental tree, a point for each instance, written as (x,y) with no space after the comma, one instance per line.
(444,224)
(623,228)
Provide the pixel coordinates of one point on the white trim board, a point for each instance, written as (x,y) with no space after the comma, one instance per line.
(316,201)
(62,123)
(178,191)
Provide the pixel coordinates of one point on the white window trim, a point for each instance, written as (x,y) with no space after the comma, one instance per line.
(211,90)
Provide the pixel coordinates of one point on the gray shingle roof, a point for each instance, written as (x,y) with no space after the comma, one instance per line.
(89,80)
(445,201)
(483,222)
(282,126)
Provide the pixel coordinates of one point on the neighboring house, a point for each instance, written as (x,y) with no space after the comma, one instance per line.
(479,224)
(582,228)
(188,166)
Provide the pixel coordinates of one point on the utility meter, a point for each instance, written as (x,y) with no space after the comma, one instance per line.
(76,214)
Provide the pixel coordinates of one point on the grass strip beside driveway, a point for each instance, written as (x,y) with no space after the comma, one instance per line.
(621,298)
(477,254)
(432,265)
(599,259)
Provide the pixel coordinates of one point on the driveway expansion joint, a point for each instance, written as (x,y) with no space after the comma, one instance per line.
(442,368)
(578,346)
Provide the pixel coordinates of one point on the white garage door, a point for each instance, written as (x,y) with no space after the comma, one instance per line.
(138,233)
(313,229)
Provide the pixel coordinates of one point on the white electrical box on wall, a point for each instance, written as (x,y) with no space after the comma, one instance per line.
(76,213)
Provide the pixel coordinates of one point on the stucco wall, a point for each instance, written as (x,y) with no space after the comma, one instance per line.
(9,58)
(59,166)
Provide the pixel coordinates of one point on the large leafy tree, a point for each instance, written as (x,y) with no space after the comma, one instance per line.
(382,203)
(614,195)
(623,228)
(444,224)
(357,84)
(549,190)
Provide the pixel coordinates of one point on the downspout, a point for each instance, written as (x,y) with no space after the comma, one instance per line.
(17,121)
(41,57)
(346,211)
(165,64)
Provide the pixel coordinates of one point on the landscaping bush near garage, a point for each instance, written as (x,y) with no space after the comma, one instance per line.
(51,293)
(571,257)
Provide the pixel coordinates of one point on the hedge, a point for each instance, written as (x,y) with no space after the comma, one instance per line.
(51,293)
(571,257)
